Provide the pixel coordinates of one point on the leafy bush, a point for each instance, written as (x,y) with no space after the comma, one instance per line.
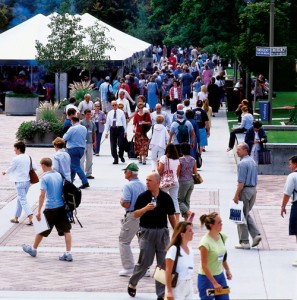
(28,130)
(22,91)
(79,89)
(293,116)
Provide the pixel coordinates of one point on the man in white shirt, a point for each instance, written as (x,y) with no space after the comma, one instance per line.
(125,102)
(116,125)
(159,112)
(85,104)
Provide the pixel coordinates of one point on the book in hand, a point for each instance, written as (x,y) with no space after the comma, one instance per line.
(213,292)
(40,226)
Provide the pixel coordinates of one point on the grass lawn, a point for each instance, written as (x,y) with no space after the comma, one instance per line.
(281,136)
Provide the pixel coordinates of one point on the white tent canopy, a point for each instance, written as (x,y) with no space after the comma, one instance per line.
(18,43)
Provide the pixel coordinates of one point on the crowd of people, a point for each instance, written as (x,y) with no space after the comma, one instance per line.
(175,141)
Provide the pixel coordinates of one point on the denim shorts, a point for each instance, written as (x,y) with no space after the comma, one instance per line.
(204,284)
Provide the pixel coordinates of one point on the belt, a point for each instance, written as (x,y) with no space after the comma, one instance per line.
(294,202)
(249,186)
(117,127)
(128,212)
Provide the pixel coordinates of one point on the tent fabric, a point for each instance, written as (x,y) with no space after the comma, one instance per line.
(18,43)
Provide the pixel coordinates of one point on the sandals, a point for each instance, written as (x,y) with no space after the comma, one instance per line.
(14,221)
(131,291)
(29,223)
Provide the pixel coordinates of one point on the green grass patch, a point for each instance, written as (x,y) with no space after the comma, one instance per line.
(281,136)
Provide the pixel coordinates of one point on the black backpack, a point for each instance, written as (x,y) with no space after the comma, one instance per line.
(182,132)
(72,199)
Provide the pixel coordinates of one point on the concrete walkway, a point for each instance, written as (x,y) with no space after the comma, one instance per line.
(261,273)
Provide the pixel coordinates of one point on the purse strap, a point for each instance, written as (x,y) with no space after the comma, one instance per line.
(176,258)
(31,167)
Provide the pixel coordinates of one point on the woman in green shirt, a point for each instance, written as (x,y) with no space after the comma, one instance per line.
(213,258)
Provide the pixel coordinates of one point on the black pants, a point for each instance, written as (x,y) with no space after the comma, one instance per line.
(173,105)
(117,135)
(232,136)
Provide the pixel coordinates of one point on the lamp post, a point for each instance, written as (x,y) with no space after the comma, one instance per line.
(271,44)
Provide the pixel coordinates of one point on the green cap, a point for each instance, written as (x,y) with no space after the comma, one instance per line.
(132,167)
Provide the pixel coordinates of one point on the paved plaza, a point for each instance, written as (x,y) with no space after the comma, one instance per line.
(261,273)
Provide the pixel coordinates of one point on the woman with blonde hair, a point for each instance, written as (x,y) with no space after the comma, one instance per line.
(178,249)
(203,93)
(208,110)
(213,255)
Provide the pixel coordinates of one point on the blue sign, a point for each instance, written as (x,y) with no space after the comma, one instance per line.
(271,51)
(263,51)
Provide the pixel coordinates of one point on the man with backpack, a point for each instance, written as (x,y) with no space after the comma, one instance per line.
(51,185)
(181,129)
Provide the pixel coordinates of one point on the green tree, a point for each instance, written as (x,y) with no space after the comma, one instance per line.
(64,48)
(93,52)
(5,16)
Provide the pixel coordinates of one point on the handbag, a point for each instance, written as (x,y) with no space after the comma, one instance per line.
(264,156)
(236,214)
(197,178)
(33,176)
(160,272)
(131,151)
(145,127)
(167,178)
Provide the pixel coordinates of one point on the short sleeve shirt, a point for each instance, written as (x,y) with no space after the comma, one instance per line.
(185,262)
(247,171)
(216,251)
(156,218)
(52,183)
(173,165)
(291,185)
(174,130)
(131,191)
(91,128)
(200,116)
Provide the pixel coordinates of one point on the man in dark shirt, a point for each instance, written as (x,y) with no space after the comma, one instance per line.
(152,207)
(200,116)
(71,112)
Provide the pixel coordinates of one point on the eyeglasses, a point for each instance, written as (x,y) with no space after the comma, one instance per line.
(114,105)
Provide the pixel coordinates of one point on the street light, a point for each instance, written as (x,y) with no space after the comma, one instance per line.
(271,44)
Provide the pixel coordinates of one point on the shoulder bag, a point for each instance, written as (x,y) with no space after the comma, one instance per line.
(33,176)
(197,178)
(145,127)
(110,95)
(167,178)
(160,272)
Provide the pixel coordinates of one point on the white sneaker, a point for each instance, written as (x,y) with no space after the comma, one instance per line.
(126,272)
(148,273)
(245,246)
(257,239)
(294,264)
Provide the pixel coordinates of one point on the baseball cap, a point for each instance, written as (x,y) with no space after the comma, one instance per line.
(132,167)
(180,112)
(107,78)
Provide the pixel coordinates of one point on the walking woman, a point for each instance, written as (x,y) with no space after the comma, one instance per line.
(99,118)
(213,258)
(170,161)
(186,183)
(182,235)
(19,173)
(175,95)
(141,140)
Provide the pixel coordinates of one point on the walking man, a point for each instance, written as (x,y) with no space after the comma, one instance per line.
(130,224)
(290,191)
(152,207)
(76,144)
(51,185)
(86,161)
(116,124)
(246,192)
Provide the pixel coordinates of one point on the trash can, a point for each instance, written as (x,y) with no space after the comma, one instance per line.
(232,99)
(264,110)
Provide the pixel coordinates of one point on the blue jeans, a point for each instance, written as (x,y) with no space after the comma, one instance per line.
(22,204)
(204,284)
(76,154)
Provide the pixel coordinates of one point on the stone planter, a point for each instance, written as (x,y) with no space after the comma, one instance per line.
(15,106)
(41,141)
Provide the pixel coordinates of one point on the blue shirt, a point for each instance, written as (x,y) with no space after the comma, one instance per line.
(76,136)
(52,183)
(104,87)
(248,171)
(131,191)
(174,130)
(61,163)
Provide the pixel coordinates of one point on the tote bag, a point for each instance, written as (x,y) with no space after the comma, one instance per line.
(167,178)
(236,212)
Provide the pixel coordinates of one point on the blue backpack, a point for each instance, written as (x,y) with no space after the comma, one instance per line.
(182,132)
